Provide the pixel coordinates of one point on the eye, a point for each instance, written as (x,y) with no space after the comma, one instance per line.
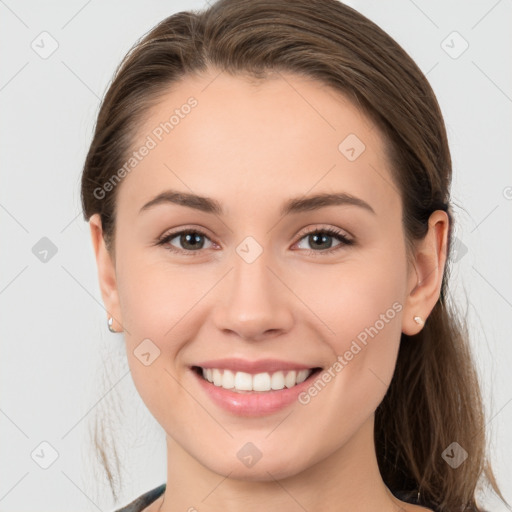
(321,239)
(191,241)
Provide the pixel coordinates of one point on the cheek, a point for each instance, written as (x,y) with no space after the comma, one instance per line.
(161,310)
(369,315)
(156,297)
(366,312)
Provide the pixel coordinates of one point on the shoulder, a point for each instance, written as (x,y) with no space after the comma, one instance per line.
(140,503)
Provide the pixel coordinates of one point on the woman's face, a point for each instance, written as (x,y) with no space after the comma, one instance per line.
(262,281)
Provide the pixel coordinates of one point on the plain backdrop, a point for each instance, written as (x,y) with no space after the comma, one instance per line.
(61,369)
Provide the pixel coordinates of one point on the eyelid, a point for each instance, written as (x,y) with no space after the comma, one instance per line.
(329,229)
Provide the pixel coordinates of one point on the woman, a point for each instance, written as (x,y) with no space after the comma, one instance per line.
(268,191)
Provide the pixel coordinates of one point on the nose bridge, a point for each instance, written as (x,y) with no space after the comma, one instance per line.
(251,276)
(255,302)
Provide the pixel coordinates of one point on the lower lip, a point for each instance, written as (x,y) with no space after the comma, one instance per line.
(255,403)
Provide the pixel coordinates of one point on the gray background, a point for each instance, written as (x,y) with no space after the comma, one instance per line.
(60,369)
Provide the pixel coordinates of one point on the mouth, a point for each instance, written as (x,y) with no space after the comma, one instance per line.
(255,383)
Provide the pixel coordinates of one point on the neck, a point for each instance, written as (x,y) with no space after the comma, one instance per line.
(345,480)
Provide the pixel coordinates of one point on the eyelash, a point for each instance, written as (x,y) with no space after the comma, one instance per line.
(327,231)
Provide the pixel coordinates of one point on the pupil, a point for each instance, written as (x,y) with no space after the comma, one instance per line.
(193,240)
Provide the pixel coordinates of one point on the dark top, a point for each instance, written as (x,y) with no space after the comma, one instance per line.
(149,497)
(143,501)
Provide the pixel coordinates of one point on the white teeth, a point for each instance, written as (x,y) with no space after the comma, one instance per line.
(228,379)
(290,379)
(261,382)
(277,380)
(303,375)
(242,381)
(217,377)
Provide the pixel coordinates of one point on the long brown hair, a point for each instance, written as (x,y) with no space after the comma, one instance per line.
(434,398)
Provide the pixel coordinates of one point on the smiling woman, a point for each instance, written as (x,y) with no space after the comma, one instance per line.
(278,263)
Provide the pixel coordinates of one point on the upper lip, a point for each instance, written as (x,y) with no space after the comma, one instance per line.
(260,366)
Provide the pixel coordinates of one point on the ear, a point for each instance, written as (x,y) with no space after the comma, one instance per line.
(426,275)
(106,272)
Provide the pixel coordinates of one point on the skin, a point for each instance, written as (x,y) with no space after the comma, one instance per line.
(252,146)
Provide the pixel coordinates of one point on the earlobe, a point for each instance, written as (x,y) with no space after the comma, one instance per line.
(106,271)
(426,277)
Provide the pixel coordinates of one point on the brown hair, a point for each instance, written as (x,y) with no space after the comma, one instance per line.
(434,398)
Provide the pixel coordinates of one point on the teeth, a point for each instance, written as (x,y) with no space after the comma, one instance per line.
(242,381)
(217,377)
(261,382)
(228,379)
(277,380)
(303,375)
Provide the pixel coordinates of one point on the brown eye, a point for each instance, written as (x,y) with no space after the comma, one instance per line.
(189,241)
(320,240)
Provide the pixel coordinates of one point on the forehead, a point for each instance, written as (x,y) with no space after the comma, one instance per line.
(235,138)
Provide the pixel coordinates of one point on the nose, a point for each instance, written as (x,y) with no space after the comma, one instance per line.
(256,305)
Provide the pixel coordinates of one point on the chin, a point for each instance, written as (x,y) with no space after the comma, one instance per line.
(261,471)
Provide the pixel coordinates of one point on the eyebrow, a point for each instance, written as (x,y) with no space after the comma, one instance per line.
(294,205)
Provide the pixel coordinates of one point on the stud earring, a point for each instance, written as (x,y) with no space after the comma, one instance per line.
(110,322)
(419,320)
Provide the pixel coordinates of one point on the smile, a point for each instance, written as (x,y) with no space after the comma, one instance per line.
(243,382)
(253,394)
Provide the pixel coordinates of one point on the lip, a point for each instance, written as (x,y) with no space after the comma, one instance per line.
(253,403)
(253,367)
